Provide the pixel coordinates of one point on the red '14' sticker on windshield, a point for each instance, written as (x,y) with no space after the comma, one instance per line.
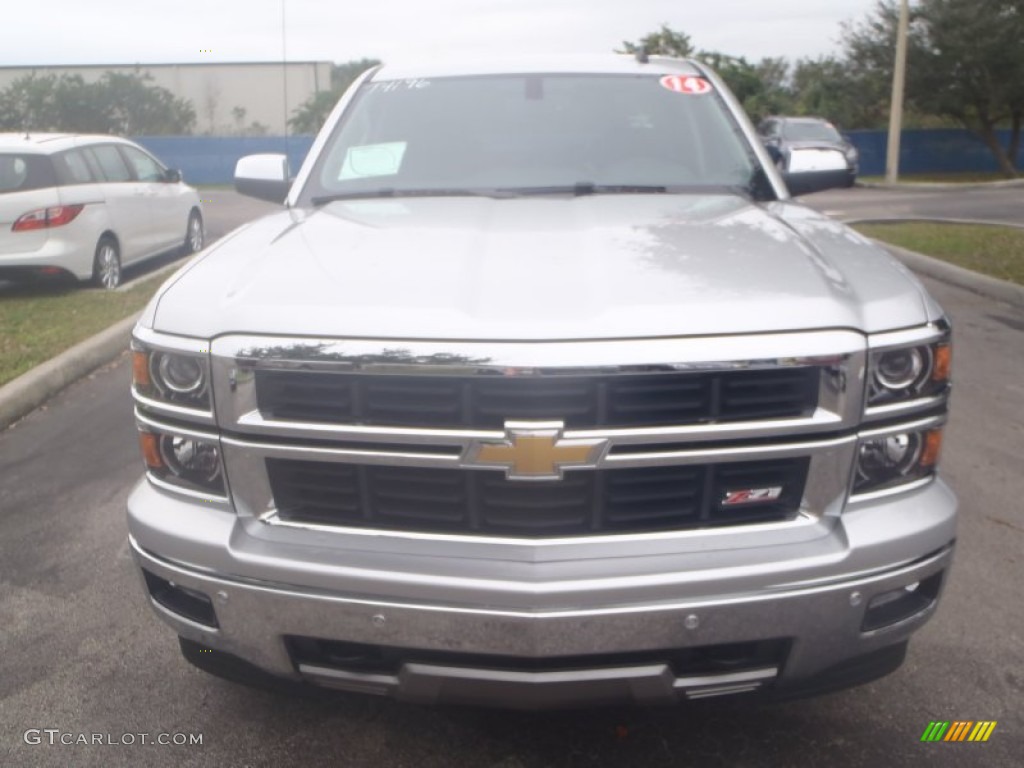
(694,86)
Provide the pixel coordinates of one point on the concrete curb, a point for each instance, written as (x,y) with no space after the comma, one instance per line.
(930,185)
(30,390)
(932,220)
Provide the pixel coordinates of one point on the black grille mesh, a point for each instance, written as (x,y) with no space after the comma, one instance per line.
(485,502)
(487,402)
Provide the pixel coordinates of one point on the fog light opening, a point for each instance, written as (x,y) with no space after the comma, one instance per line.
(196,461)
(182,601)
(897,605)
(889,461)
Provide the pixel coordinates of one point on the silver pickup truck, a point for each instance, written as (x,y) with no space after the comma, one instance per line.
(541,391)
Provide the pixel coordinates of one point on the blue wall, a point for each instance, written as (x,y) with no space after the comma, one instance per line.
(211,159)
(931,151)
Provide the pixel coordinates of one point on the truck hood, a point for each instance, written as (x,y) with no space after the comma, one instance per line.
(587,267)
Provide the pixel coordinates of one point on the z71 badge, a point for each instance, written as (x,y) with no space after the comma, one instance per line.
(751,496)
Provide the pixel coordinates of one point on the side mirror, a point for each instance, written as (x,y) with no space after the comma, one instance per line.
(172,176)
(817,181)
(264,177)
(815,170)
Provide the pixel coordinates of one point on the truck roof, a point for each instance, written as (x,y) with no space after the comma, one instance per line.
(567,64)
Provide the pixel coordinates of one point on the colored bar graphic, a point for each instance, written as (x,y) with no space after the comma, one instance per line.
(982,730)
(958,730)
(935,730)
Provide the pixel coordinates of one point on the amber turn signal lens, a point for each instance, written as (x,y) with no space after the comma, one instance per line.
(942,362)
(140,369)
(150,446)
(932,448)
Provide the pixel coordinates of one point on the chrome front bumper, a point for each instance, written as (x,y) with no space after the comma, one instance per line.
(819,611)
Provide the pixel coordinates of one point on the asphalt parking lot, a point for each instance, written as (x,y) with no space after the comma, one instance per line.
(82,655)
(996,204)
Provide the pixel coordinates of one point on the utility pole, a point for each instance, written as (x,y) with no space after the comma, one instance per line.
(892,155)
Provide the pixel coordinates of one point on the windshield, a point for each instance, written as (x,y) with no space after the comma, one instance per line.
(533,132)
(811,132)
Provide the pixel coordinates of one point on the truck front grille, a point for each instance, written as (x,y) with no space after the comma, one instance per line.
(488,401)
(480,502)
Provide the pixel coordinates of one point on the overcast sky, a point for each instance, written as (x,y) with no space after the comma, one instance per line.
(160,31)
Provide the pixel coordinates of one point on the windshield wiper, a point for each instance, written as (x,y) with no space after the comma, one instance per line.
(578,189)
(589,188)
(386,192)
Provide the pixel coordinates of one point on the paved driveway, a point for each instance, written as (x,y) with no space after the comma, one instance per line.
(1001,205)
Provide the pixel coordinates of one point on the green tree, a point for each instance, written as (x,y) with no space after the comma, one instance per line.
(309,116)
(739,74)
(137,108)
(255,128)
(965,62)
(829,87)
(868,55)
(971,68)
(761,88)
(664,42)
(51,103)
(116,103)
(775,96)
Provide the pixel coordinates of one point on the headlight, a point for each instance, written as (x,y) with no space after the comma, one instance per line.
(887,461)
(909,372)
(186,461)
(901,370)
(179,375)
(178,378)
(173,403)
(193,461)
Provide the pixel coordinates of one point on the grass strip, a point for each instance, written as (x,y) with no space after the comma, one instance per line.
(989,249)
(39,321)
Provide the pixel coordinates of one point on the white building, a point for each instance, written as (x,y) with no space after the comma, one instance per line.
(229,98)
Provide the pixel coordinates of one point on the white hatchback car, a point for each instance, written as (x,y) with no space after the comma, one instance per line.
(87,206)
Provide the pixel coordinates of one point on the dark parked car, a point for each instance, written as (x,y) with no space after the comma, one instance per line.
(808,143)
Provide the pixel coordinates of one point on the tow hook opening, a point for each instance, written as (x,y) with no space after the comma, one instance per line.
(897,605)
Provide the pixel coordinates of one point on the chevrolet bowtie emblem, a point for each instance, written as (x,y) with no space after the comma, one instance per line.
(535,450)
